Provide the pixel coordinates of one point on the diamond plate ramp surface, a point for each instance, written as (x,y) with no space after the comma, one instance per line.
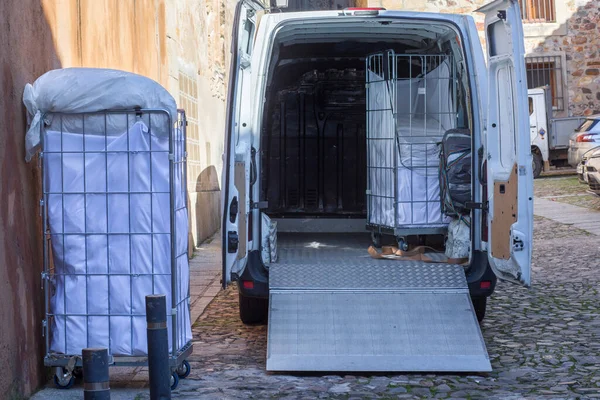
(373,331)
(346,274)
(334,308)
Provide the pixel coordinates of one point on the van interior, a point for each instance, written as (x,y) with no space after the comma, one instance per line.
(315,159)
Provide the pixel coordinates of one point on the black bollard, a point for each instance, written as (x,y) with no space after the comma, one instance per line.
(95,374)
(159,372)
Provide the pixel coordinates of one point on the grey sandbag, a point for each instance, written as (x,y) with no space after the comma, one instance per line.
(455,171)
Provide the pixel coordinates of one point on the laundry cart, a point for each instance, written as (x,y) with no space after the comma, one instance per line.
(411,104)
(115,218)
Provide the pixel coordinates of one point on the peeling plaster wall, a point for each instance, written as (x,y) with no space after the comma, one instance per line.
(26,53)
(37,36)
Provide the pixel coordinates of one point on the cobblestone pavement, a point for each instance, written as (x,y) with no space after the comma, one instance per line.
(543,343)
(205,276)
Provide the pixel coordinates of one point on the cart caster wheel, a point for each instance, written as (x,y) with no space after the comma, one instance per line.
(64,383)
(402,245)
(376,239)
(78,372)
(184,369)
(174,380)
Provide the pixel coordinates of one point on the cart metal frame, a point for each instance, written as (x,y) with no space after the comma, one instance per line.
(66,364)
(383,69)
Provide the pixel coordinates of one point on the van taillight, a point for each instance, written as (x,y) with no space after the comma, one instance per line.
(363,10)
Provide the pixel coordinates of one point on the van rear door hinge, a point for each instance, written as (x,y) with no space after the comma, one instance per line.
(471,205)
(260,205)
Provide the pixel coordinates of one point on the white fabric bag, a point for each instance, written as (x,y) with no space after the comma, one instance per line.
(79,90)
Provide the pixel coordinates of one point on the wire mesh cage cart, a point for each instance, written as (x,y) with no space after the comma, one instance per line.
(411,103)
(115,229)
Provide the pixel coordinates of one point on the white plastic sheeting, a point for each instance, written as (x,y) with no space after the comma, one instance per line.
(268,240)
(458,244)
(108,212)
(423,107)
(77,90)
(105,256)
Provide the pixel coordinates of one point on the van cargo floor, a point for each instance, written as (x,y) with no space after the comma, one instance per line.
(333,308)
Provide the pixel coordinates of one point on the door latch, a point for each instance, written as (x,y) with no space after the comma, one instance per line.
(233,210)
(518,244)
(233,241)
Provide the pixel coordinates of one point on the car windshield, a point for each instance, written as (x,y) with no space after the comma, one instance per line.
(587,125)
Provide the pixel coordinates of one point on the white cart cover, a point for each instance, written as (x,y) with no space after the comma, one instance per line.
(101,280)
(78,90)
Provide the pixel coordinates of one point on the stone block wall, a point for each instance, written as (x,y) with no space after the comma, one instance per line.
(581,48)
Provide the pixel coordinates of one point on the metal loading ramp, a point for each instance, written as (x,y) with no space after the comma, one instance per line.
(367,315)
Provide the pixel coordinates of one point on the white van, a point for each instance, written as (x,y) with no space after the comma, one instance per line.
(306,190)
(549,136)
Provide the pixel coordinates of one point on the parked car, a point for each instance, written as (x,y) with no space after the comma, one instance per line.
(592,171)
(581,167)
(585,138)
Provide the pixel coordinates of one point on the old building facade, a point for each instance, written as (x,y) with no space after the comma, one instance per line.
(562,40)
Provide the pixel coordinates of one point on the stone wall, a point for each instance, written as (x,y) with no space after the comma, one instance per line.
(182,44)
(581,49)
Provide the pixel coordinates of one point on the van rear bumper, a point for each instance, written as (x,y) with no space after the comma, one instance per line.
(479,274)
(254,281)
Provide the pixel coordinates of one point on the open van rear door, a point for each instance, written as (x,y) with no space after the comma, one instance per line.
(509,162)
(236,203)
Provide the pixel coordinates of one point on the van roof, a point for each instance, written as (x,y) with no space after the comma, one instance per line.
(455,18)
